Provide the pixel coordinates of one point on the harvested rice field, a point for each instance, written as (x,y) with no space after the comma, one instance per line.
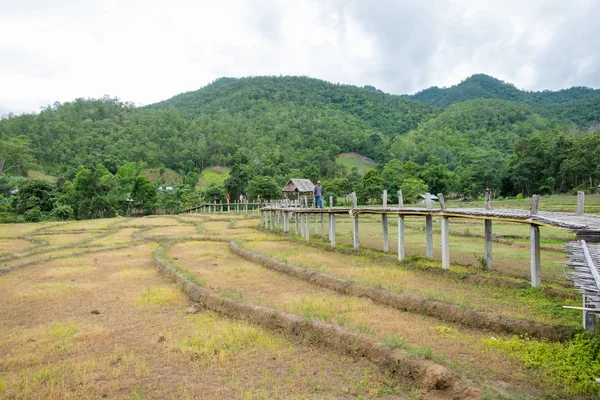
(214,307)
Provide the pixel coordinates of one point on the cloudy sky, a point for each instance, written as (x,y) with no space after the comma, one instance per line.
(146,51)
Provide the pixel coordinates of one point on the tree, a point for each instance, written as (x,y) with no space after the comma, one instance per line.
(15,153)
(411,188)
(372,186)
(238,180)
(35,194)
(143,194)
(264,187)
(437,177)
(337,187)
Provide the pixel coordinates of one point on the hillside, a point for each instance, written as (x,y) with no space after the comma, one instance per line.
(576,105)
(385,113)
(263,130)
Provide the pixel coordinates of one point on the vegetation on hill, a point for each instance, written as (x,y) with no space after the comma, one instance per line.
(577,105)
(355,160)
(264,130)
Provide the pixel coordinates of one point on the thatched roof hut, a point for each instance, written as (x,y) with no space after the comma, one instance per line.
(298,187)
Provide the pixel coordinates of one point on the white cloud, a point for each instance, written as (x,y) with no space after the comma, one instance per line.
(146,51)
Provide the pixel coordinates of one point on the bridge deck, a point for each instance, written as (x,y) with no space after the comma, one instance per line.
(587,226)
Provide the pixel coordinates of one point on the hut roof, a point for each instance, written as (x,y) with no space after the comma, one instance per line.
(301,185)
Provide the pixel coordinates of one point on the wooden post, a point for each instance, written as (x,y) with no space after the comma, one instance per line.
(428,201)
(302,225)
(272,225)
(386,243)
(580,202)
(330,201)
(332,229)
(400,228)
(296,222)
(445,243)
(323,226)
(228,207)
(535,202)
(355,231)
(316,225)
(488,198)
(400,237)
(222,209)
(441,201)
(384,203)
(429,235)
(354,200)
(307,230)
(589,319)
(536,270)
(488,243)
(261,219)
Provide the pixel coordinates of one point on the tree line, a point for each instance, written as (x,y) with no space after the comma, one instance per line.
(270,129)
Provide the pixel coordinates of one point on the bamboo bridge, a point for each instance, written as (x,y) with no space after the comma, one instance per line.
(583,254)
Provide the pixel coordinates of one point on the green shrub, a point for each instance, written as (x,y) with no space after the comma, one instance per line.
(33,215)
(62,212)
(572,366)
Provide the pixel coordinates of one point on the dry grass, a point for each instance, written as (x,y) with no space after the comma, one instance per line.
(183,230)
(149,221)
(11,231)
(67,238)
(140,345)
(8,246)
(225,272)
(513,303)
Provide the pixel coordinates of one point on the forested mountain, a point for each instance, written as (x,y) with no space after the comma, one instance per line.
(386,113)
(577,105)
(268,129)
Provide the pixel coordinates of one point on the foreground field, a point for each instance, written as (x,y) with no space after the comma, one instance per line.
(85,313)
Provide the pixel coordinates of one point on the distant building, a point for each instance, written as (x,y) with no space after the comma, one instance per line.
(297,187)
(167,188)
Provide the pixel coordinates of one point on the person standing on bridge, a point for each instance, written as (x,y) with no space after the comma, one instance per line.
(318,192)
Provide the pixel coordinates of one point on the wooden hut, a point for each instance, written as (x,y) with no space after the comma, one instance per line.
(298,187)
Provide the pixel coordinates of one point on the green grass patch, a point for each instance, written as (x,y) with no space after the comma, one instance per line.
(396,341)
(326,309)
(571,366)
(355,160)
(161,295)
(232,294)
(214,176)
(40,176)
(217,337)
(61,334)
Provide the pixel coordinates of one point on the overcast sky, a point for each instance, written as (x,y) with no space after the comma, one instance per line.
(147,51)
